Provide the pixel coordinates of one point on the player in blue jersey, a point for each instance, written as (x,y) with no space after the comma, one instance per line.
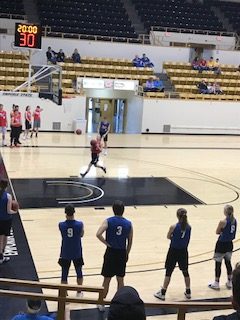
(103,130)
(5,218)
(71,250)
(224,247)
(118,240)
(33,309)
(179,234)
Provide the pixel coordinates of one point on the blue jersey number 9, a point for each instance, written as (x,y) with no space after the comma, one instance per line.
(70,232)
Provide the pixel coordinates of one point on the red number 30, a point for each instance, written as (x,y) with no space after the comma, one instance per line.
(27,40)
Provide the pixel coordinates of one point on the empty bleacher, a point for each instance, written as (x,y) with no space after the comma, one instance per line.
(177,14)
(11,7)
(101,68)
(14,67)
(231,12)
(185,81)
(98,17)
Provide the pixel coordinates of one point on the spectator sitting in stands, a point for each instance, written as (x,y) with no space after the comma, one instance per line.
(76,56)
(195,64)
(217,89)
(202,87)
(210,64)
(60,56)
(51,55)
(202,65)
(126,305)
(217,69)
(235,296)
(211,88)
(137,62)
(146,61)
(33,308)
(149,86)
(238,69)
(158,85)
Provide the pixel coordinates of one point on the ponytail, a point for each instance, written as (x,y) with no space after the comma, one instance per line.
(182,217)
(228,210)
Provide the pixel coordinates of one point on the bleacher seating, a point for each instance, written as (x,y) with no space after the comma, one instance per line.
(101,68)
(98,17)
(231,11)
(13,70)
(11,7)
(177,14)
(185,81)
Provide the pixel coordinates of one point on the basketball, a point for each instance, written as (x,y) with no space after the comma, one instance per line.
(78,131)
(93,142)
(15,205)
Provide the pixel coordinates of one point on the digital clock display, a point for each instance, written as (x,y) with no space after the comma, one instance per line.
(28,36)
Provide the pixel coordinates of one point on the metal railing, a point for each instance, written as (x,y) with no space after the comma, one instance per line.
(62,298)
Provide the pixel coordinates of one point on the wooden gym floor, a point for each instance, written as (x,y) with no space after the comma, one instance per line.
(205,168)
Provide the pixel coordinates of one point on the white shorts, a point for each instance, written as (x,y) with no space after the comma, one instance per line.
(3,130)
(218,257)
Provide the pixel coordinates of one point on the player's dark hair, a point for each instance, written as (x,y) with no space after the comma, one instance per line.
(182,217)
(118,207)
(27,108)
(228,209)
(69,210)
(236,285)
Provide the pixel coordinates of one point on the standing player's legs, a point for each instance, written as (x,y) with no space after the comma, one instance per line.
(4,233)
(120,282)
(27,129)
(170,264)
(13,136)
(106,284)
(18,132)
(121,261)
(182,260)
(218,257)
(65,265)
(78,263)
(3,130)
(228,264)
(105,139)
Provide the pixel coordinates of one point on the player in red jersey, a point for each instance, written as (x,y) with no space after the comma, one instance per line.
(3,124)
(36,120)
(16,127)
(28,120)
(96,149)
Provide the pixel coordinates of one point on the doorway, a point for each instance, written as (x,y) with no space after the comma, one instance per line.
(113,109)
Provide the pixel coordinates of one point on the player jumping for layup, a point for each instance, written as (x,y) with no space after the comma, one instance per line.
(95,151)
(179,234)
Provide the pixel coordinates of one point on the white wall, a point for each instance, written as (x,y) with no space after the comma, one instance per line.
(165,38)
(70,110)
(134,115)
(189,116)
(9,24)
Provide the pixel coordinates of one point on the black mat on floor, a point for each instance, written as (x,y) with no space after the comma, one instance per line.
(100,192)
(20,266)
